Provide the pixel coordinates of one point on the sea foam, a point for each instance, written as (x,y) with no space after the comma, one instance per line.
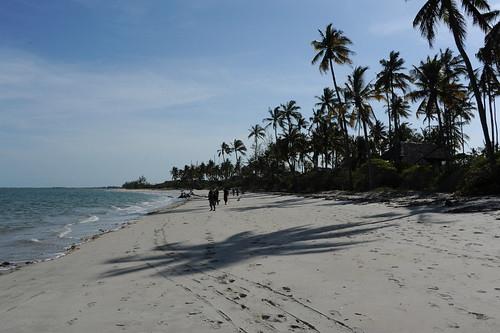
(91,219)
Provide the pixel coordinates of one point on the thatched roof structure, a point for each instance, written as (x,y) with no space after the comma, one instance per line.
(416,153)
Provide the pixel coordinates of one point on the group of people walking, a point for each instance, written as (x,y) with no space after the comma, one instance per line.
(213,197)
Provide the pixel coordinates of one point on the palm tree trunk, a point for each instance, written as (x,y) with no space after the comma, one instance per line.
(496,122)
(477,95)
(346,134)
(368,154)
(491,117)
(255,149)
(462,135)
(394,114)
(389,115)
(440,123)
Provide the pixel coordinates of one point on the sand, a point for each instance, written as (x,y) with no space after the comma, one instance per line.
(270,263)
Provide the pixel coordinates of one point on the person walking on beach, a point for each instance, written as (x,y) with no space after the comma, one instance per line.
(217,196)
(226,195)
(211,199)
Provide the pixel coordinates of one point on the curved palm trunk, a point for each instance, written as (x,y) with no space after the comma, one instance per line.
(477,95)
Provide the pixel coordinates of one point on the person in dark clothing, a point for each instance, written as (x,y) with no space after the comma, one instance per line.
(211,200)
(216,196)
(226,195)
(237,192)
(233,191)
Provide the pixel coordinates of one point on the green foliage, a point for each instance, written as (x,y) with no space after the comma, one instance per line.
(417,177)
(480,178)
(141,182)
(384,174)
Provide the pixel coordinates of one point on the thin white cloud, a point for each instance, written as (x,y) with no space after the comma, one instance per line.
(391,27)
(33,83)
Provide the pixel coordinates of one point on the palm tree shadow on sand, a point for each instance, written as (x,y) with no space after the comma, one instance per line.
(176,259)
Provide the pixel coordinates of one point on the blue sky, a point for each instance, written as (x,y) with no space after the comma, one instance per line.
(99,92)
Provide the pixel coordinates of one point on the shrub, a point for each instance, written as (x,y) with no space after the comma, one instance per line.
(417,177)
(480,178)
(384,174)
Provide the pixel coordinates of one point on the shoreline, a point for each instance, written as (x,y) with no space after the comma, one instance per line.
(8,267)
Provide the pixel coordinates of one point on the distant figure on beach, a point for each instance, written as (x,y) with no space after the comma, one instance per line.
(184,195)
(233,191)
(237,192)
(226,195)
(217,196)
(211,199)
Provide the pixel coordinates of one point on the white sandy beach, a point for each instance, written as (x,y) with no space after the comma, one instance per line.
(270,263)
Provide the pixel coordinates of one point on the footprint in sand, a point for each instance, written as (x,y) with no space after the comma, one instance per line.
(72,321)
(279,318)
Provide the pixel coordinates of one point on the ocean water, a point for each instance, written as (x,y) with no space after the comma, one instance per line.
(38,224)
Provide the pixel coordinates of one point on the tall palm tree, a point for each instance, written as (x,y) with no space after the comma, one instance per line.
(489,85)
(448,11)
(333,47)
(360,93)
(427,78)
(257,132)
(273,120)
(390,78)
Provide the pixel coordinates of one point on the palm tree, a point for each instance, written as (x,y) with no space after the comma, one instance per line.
(491,44)
(257,132)
(447,11)
(400,109)
(427,79)
(326,102)
(273,120)
(175,173)
(389,79)
(488,82)
(333,47)
(238,147)
(359,94)
(223,150)
(379,136)
(289,112)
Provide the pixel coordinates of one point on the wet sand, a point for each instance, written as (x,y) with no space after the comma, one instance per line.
(270,263)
